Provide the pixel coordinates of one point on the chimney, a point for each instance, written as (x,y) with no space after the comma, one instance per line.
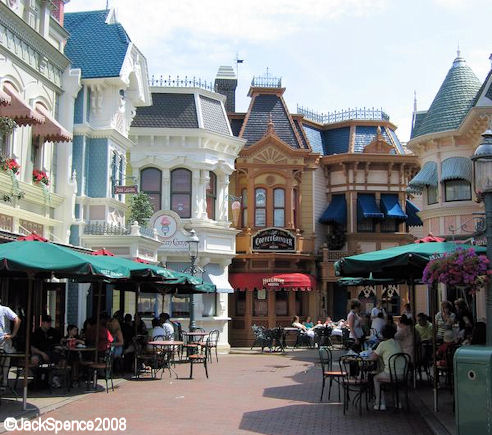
(57,11)
(226,84)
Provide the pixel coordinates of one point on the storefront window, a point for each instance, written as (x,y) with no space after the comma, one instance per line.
(260,303)
(282,303)
(278,207)
(260,207)
(211,195)
(180,306)
(151,184)
(181,192)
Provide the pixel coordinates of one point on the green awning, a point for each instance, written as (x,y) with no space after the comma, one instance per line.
(427,176)
(456,168)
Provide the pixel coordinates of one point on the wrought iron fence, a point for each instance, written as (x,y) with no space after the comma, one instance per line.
(180,82)
(363,113)
(266,82)
(104,228)
(147,232)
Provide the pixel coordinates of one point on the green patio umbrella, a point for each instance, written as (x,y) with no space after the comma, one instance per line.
(350,281)
(404,262)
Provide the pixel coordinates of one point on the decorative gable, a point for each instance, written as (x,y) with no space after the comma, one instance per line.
(378,145)
(270,155)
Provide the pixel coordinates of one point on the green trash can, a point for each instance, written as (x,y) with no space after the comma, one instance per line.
(473,390)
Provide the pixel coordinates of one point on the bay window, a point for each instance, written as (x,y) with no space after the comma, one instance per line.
(260,207)
(457,190)
(278,207)
(151,184)
(211,195)
(181,192)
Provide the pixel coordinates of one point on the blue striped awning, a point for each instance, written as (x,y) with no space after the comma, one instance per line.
(413,219)
(336,212)
(456,168)
(368,206)
(427,176)
(390,206)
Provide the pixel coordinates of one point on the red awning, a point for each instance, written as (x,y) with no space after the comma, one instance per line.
(19,110)
(272,281)
(5,98)
(33,237)
(103,252)
(50,130)
(430,238)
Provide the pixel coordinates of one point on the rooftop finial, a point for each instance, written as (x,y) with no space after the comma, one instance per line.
(458,51)
(459,61)
(414,100)
(270,126)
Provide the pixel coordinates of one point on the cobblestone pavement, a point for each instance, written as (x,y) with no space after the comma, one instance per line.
(263,394)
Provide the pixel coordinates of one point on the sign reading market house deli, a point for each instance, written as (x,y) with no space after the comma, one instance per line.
(273,240)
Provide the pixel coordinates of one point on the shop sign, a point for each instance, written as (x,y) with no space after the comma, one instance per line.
(170,231)
(274,240)
(124,190)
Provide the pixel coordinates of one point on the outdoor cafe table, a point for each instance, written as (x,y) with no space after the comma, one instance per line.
(166,343)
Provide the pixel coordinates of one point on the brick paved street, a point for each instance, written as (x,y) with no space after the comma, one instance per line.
(265,394)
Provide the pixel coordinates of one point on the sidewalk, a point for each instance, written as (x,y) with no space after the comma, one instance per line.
(250,393)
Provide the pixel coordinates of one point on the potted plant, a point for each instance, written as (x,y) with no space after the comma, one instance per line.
(461,268)
(7,164)
(7,125)
(39,177)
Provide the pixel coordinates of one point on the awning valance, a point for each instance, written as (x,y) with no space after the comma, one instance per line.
(427,176)
(217,276)
(19,110)
(50,130)
(336,212)
(368,206)
(456,168)
(390,206)
(4,98)
(413,219)
(272,281)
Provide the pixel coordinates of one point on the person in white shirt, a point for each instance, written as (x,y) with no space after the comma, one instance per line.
(6,317)
(377,309)
(297,324)
(167,326)
(378,323)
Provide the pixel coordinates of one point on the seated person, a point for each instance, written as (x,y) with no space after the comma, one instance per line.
(388,347)
(157,332)
(308,323)
(43,342)
(141,328)
(404,335)
(448,343)
(301,327)
(72,336)
(114,327)
(167,325)
(378,323)
(105,337)
(423,328)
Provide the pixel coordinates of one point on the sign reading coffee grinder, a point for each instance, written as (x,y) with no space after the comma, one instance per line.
(273,240)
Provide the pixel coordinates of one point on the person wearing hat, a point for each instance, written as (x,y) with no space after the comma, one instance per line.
(445,348)
(43,342)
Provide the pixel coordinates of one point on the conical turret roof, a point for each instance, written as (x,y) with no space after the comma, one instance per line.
(453,100)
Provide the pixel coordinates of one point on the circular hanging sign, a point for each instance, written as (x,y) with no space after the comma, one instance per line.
(166,226)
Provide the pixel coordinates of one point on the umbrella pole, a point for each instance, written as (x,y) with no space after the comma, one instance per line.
(137,295)
(98,320)
(433,290)
(30,282)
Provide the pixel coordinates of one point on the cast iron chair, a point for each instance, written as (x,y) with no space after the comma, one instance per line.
(326,361)
(107,366)
(200,356)
(354,380)
(399,366)
(211,343)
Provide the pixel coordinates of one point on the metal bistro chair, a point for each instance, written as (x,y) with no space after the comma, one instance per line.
(322,336)
(107,366)
(399,365)
(200,356)
(326,361)
(143,358)
(354,380)
(211,343)
(262,337)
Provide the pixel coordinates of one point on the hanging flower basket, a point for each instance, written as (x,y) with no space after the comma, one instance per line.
(7,125)
(463,267)
(8,164)
(40,177)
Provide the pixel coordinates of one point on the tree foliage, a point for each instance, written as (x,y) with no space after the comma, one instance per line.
(140,208)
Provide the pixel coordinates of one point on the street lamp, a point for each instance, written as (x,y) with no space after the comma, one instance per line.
(482,170)
(193,242)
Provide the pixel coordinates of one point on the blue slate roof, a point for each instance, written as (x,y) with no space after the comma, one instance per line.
(265,105)
(336,141)
(315,139)
(417,121)
(95,47)
(213,115)
(453,100)
(364,135)
(236,125)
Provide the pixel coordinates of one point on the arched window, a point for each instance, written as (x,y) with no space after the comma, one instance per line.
(151,184)
(181,192)
(278,207)
(244,206)
(211,195)
(260,207)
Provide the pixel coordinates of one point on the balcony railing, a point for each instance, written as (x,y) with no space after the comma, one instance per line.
(266,82)
(366,114)
(180,82)
(104,228)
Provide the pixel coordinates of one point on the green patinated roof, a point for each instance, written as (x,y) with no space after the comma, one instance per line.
(453,100)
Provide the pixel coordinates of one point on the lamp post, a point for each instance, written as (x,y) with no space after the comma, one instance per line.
(482,170)
(193,242)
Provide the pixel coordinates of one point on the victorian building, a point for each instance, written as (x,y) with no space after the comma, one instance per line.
(444,137)
(37,89)
(183,158)
(114,82)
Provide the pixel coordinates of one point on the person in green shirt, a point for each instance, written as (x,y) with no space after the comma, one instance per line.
(423,327)
(387,348)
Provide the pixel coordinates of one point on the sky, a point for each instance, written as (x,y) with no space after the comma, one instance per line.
(331,54)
